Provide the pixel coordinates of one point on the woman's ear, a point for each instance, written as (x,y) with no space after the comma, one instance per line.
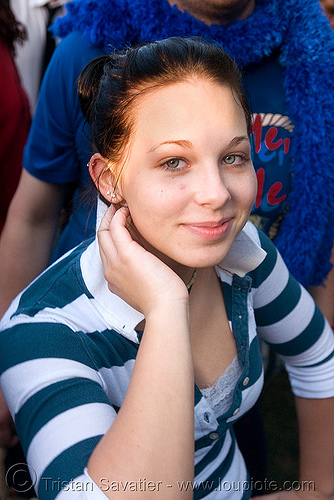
(104,178)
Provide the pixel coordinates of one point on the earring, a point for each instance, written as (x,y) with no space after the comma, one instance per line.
(112,195)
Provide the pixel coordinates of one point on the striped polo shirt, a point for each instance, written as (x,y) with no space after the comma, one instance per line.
(68,347)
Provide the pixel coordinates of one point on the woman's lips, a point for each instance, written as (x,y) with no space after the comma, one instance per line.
(210,230)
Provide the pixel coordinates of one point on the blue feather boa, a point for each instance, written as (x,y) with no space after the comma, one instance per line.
(301,33)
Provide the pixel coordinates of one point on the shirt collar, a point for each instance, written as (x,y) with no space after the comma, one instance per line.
(246,253)
(117,314)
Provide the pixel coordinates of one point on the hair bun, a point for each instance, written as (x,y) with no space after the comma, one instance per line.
(89,84)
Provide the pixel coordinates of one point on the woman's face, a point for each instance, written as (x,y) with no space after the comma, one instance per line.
(188,179)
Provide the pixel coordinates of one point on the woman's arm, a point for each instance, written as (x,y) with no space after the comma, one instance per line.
(153,434)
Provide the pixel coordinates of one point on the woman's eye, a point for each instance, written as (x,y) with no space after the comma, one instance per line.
(234,159)
(230,159)
(174,163)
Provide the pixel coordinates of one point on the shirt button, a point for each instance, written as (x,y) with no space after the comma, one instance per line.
(245,381)
(207,417)
(213,435)
(236,411)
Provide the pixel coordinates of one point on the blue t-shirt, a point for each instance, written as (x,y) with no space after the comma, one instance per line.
(58,147)
(63,159)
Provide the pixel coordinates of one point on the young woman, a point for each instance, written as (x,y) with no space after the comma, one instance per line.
(127,362)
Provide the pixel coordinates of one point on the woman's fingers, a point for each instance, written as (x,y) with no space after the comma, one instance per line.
(112,214)
(112,231)
(116,245)
(107,218)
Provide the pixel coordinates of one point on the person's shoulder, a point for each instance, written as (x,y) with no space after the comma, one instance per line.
(103,23)
(8,75)
(266,267)
(68,60)
(75,50)
(266,243)
(4,51)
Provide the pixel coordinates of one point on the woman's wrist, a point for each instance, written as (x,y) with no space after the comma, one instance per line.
(170,310)
(168,299)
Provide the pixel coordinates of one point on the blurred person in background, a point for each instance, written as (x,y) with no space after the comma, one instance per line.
(14,127)
(14,109)
(33,55)
(328,6)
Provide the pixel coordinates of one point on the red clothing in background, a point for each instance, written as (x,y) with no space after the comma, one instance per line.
(14,127)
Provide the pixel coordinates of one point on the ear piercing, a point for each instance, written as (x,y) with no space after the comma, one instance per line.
(112,195)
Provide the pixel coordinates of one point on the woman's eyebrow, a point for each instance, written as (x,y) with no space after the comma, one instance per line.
(181,142)
(236,141)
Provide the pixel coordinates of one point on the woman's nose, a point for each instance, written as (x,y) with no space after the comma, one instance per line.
(211,188)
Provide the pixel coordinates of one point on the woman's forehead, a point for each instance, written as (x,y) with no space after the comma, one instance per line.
(185,99)
(185,112)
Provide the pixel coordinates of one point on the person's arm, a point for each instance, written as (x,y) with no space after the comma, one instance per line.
(324,295)
(316,443)
(316,450)
(27,238)
(153,434)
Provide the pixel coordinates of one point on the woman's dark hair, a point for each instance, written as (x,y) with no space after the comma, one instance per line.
(10,29)
(109,85)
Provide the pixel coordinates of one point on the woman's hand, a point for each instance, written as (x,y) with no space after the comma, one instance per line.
(134,274)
